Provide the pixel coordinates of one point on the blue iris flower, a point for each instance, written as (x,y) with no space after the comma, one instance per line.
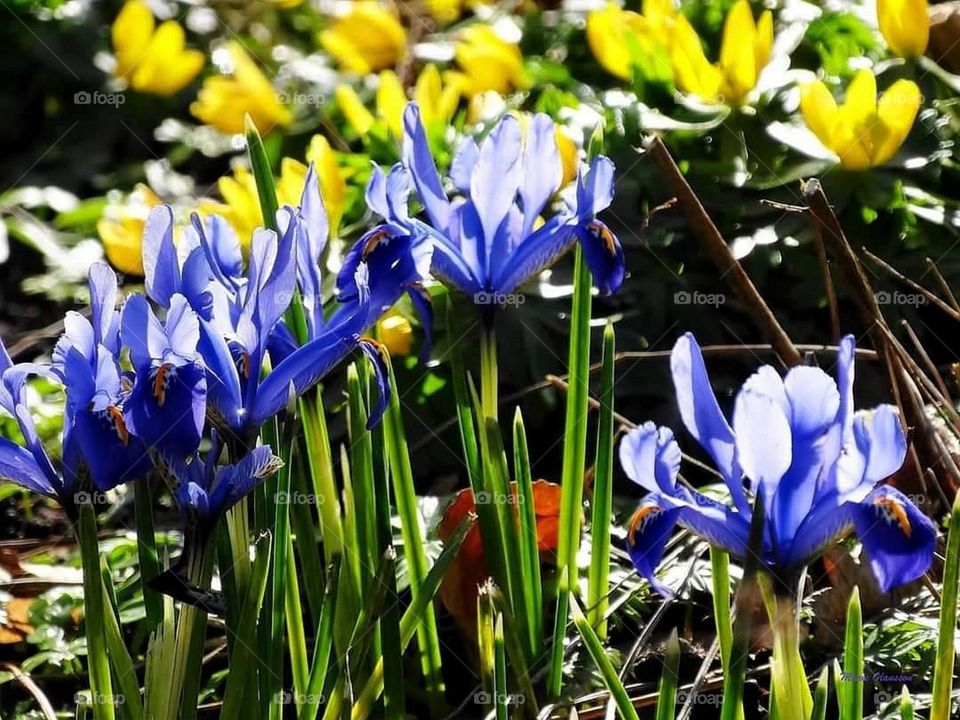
(240,316)
(96,438)
(86,359)
(815,464)
(204,490)
(491,237)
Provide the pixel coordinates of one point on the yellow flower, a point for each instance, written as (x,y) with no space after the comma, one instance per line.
(395,332)
(488,62)
(569,155)
(223,101)
(121,229)
(367,39)
(614,34)
(438,101)
(744,52)
(240,204)
(152,59)
(286,4)
(905,25)
(862,132)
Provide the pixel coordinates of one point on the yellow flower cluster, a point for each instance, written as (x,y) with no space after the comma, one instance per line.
(620,38)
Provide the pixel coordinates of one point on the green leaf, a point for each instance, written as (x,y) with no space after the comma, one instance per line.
(599,656)
(529,538)
(599,582)
(98,663)
(852,708)
(821,695)
(946,652)
(667,694)
(574,457)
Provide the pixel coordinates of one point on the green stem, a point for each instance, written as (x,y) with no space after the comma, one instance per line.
(946,652)
(98,661)
(488,371)
(788,677)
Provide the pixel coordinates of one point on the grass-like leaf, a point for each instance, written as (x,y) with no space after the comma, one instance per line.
(667,694)
(852,707)
(598,588)
(529,538)
(946,652)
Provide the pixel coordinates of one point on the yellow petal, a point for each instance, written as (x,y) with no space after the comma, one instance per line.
(896,114)
(391,99)
(693,72)
(737,53)
(167,66)
(488,61)
(122,244)
(763,43)
(131,33)
(367,39)
(861,101)
(333,187)
(353,109)
(224,101)
(905,25)
(607,40)
(569,155)
(819,111)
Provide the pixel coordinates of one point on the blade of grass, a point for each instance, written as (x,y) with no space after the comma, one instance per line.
(124,671)
(599,656)
(574,458)
(147,551)
(361,463)
(94,607)
(821,695)
(599,574)
(485,645)
(515,652)
(406,499)
(192,632)
(667,693)
(852,708)
(323,647)
(465,414)
(946,648)
(529,539)
(236,692)
(501,697)
(906,704)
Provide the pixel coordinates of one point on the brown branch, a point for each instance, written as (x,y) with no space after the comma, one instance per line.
(911,284)
(944,285)
(720,253)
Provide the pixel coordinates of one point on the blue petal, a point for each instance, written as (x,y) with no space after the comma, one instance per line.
(898,537)
(18,466)
(650,528)
(222,248)
(535,254)
(103,304)
(112,455)
(302,370)
(595,188)
(702,417)
(542,169)
(142,332)
(461,169)
(375,354)
(604,255)
(160,265)
(651,458)
(223,381)
(197,277)
(233,482)
(880,438)
(420,299)
(419,161)
(845,374)
(814,400)
(762,428)
(183,328)
(170,421)
(496,178)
